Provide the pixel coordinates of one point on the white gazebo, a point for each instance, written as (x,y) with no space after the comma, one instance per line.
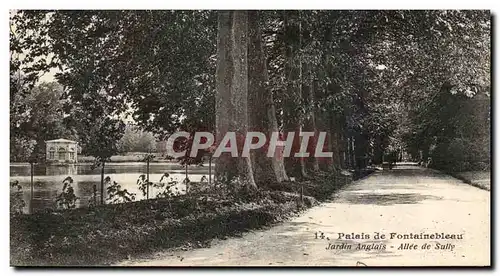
(61,151)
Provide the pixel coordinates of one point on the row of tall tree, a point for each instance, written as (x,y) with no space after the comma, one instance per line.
(367,78)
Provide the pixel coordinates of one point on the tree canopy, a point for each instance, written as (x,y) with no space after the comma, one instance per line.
(375,81)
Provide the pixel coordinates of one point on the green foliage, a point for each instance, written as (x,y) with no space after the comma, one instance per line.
(67,198)
(21,148)
(34,111)
(376,76)
(30,50)
(92,202)
(111,233)
(168,189)
(17,202)
(383,79)
(135,140)
(131,63)
(115,193)
(187,183)
(36,117)
(143,184)
(99,136)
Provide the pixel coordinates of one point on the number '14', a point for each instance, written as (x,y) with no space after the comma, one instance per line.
(321,235)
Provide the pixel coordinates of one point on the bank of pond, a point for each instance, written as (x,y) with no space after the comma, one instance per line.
(106,234)
(48,181)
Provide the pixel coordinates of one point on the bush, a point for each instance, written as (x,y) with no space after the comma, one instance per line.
(116,194)
(17,202)
(109,233)
(461,154)
(67,198)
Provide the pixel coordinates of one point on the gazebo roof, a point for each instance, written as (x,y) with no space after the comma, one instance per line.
(61,141)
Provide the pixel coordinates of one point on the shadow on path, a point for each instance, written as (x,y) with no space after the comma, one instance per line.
(385,199)
(406,199)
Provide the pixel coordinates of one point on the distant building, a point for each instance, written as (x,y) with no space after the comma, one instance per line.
(61,151)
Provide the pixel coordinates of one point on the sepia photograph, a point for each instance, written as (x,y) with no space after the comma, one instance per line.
(250,138)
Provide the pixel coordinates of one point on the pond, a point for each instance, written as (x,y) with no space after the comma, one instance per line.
(48,180)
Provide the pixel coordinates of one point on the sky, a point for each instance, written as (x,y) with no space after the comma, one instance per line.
(49,76)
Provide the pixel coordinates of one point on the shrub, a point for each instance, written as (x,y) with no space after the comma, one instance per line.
(168,187)
(67,198)
(17,202)
(461,154)
(143,184)
(116,194)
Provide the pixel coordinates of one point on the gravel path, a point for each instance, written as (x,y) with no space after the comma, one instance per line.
(407,199)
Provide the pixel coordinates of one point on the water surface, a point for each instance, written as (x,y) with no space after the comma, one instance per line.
(48,180)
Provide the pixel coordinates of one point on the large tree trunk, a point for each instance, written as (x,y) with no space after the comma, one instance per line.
(261,109)
(325,122)
(378,150)
(361,149)
(343,141)
(292,119)
(303,166)
(308,91)
(232,93)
